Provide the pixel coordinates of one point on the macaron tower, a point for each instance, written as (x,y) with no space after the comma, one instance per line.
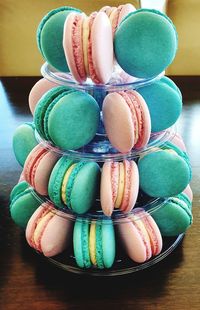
(104,187)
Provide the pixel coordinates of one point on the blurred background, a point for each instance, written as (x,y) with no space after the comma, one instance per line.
(19,55)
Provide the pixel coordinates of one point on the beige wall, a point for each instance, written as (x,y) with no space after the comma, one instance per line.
(19,20)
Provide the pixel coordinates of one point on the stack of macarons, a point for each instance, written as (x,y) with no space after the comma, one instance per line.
(90,209)
(86,45)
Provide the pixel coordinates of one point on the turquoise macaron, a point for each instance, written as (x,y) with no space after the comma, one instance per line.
(24,141)
(164,103)
(174,216)
(69,119)
(74,185)
(145,43)
(163,172)
(23,203)
(94,243)
(50,37)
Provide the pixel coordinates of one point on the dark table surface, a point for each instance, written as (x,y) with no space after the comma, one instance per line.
(29,282)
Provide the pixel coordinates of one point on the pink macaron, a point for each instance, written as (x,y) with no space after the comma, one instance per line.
(140,236)
(88,46)
(116,14)
(127,120)
(37,91)
(48,231)
(38,167)
(119,186)
(178,141)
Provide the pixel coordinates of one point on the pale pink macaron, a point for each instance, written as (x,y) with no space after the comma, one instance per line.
(119,186)
(38,167)
(88,46)
(37,91)
(140,236)
(178,141)
(127,120)
(188,192)
(116,14)
(48,231)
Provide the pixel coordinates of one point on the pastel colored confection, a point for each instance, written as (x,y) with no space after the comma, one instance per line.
(38,90)
(23,203)
(66,117)
(94,243)
(24,141)
(145,43)
(127,120)
(163,172)
(119,186)
(164,103)
(174,216)
(74,184)
(50,35)
(178,141)
(116,14)
(140,236)
(88,46)
(173,85)
(38,167)
(48,231)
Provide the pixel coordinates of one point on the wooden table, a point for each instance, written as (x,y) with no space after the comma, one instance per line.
(28,282)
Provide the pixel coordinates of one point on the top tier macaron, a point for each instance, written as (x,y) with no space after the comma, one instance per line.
(144,42)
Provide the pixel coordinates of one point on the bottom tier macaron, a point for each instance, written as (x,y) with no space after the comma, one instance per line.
(96,243)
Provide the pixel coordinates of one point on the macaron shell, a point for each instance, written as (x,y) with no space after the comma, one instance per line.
(118,122)
(56,179)
(132,241)
(178,141)
(29,167)
(50,35)
(132,188)
(37,91)
(134,46)
(73,121)
(164,105)
(43,172)
(173,218)
(153,232)
(125,10)
(23,142)
(144,135)
(171,83)
(85,188)
(188,192)
(106,191)
(22,208)
(108,243)
(33,222)
(19,188)
(70,36)
(163,174)
(102,47)
(57,235)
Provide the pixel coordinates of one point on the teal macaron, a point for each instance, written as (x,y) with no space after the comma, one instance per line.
(74,185)
(164,103)
(145,43)
(174,216)
(50,37)
(68,118)
(24,141)
(164,172)
(94,243)
(172,84)
(23,203)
